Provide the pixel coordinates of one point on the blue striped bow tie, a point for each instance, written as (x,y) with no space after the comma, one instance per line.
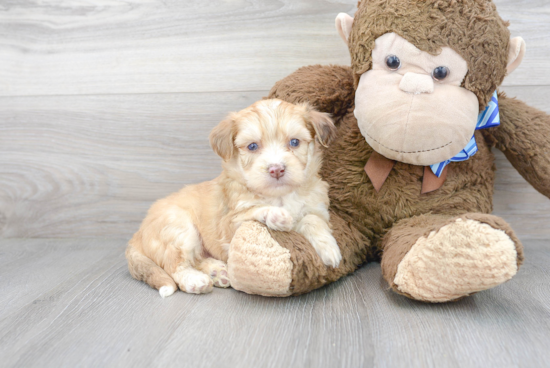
(489,118)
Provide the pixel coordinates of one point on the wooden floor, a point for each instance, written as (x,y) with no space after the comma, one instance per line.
(106,105)
(67,303)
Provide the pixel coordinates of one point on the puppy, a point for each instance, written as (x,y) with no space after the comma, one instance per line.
(271,159)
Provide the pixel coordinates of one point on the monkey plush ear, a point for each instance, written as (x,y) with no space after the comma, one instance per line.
(221,138)
(515,54)
(343,25)
(325,131)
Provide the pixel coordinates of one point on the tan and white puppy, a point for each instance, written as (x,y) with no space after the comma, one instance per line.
(271,160)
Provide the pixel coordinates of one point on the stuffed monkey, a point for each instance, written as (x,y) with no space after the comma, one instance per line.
(411,171)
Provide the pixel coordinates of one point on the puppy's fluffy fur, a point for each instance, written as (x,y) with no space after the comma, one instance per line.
(272,156)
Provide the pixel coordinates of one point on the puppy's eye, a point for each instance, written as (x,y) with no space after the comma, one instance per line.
(440,73)
(393,62)
(294,142)
(252,146)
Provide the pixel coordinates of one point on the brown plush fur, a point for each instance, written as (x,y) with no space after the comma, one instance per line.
(352,194)
(309,272)
(356,206)
(370,225)
(523,136)
(472,28)
(331,91)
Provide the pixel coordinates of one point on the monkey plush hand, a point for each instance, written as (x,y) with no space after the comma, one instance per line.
(411,171)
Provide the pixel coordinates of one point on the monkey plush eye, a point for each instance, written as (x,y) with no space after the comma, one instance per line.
(294,142)
(440,73)
(252,147)
(393,62)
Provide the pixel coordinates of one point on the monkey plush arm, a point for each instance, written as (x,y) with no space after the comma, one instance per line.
(328,88)
(278,263)
(524,137)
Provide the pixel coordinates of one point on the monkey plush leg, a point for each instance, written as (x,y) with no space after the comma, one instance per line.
(275,263)
(438,258)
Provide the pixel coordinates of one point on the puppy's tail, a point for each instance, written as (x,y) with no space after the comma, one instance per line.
(142,268)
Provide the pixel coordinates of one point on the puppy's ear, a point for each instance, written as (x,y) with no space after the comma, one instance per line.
(222,136)
(325,131)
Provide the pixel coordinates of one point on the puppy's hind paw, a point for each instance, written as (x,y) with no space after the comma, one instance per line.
(220,279)
(219,276)
(217,270)
(165,291)
(198,283)
(279,219)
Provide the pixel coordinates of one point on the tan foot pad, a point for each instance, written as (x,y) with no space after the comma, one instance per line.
(257,264)
(459,259)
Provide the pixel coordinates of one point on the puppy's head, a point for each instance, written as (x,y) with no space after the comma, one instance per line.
(273,147)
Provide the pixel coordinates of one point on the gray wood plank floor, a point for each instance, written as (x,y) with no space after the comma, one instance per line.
(106,105)
(67,303)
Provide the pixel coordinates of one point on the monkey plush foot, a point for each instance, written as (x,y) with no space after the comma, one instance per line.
(449,258)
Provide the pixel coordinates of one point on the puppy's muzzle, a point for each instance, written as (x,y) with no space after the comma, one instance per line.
(276,171)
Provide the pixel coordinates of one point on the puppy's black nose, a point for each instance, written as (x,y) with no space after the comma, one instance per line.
(276,171)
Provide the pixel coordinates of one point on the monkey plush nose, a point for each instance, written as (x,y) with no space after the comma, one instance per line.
(417,83)
(276,170)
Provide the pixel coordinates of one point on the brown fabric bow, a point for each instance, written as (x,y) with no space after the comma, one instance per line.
(379,167)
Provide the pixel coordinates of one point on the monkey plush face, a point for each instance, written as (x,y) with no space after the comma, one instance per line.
(423,70)
(411,107)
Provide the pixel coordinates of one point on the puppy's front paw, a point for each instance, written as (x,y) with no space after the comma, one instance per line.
(279,219)
(327,249)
